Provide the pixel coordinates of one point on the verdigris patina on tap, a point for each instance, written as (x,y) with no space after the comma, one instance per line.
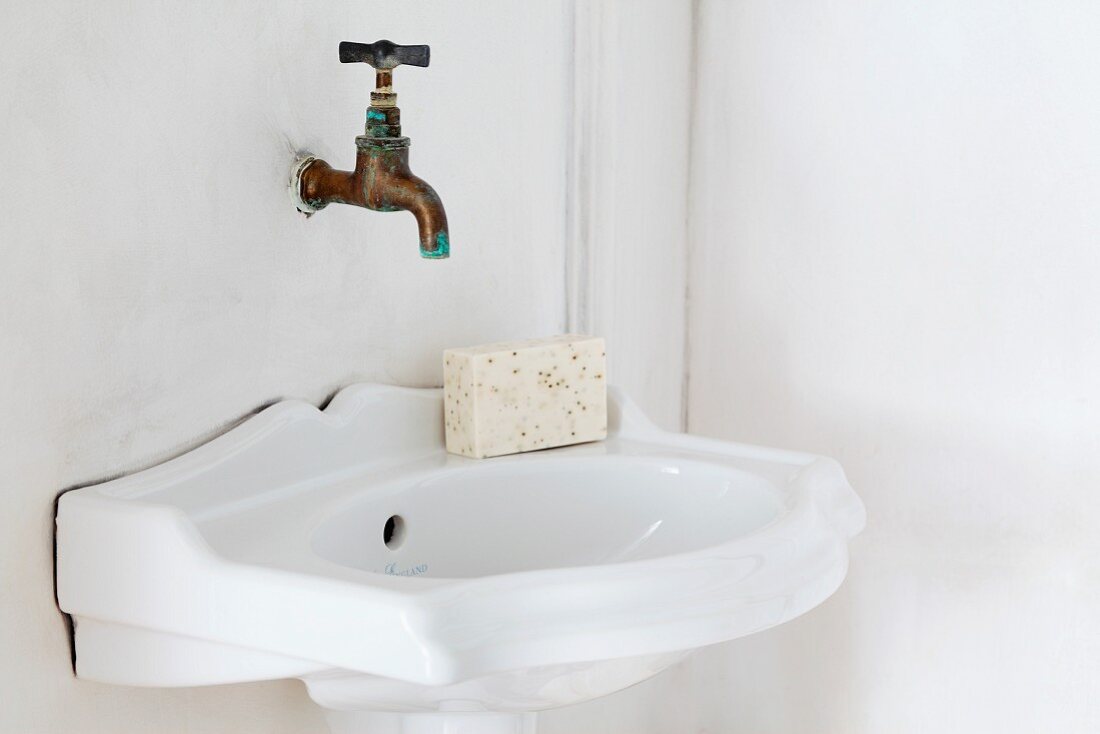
(381,180)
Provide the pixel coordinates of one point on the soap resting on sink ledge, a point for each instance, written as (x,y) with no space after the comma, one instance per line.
(527,395)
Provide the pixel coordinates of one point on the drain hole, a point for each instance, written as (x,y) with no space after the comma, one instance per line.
(393,534)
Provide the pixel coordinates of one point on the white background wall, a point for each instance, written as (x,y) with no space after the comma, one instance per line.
(895,260)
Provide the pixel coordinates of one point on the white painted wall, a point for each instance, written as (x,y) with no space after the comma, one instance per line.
(896,261)
(893,260)
(628,197)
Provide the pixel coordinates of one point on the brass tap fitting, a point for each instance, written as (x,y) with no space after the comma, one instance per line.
(381,180)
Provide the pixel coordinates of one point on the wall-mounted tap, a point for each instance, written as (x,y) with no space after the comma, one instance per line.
(381,180)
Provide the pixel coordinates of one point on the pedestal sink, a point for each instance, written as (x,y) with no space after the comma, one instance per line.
(420,592)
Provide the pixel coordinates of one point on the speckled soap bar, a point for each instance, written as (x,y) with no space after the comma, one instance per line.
(526,395)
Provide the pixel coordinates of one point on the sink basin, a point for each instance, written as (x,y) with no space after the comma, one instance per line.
(417,591)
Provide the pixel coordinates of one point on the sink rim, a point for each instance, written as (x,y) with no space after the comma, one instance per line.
(115,542)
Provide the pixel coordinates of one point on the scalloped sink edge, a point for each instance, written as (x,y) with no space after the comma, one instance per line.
(517,584)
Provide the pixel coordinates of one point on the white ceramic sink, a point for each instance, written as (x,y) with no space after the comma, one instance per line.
(416,591)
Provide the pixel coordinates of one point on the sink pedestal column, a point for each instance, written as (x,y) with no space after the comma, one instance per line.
(456,722)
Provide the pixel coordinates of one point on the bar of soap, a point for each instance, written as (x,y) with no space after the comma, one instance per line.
(526,395)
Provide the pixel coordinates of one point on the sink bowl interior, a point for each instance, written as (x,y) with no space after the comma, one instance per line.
(523,516)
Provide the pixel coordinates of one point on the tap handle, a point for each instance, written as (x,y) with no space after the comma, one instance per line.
(383,55)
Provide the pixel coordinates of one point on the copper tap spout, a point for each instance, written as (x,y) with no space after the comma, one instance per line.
(381,180)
